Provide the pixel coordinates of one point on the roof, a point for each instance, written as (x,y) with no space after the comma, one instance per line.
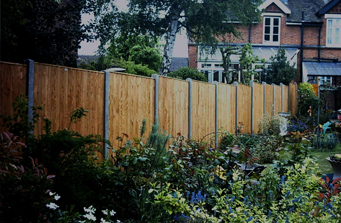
(178,62)
(304,10)
(279,3)
(322,69)
(327,7)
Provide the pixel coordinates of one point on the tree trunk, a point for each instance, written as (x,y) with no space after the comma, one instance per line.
(170,41)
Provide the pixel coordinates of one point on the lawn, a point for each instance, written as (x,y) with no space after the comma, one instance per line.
(320,156)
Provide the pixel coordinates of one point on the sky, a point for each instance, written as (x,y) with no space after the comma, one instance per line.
(90,48)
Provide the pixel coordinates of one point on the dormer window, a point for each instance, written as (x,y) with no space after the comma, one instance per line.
(271,30)
(333,32)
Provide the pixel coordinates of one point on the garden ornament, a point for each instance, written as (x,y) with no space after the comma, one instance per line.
(326,126)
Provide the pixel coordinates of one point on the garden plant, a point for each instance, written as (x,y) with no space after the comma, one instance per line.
(159,178)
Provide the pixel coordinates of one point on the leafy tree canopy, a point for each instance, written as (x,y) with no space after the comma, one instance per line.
(48,31)
(203,20)
(280,70)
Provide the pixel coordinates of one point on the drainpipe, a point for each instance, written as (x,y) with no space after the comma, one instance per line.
(250,33)
(319,46)
(302,38)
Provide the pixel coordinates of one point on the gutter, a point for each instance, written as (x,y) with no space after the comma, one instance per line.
(301,55)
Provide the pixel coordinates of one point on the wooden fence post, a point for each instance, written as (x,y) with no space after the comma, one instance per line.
(156,99)
(190,87)
(252,106)
(30,89)
(236,84)
(106,111)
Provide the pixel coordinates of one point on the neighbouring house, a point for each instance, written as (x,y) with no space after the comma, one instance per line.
(178,62)
(309,30)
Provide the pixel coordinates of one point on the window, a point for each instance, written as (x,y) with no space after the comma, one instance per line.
(271,30)
(333,32)
(326,80)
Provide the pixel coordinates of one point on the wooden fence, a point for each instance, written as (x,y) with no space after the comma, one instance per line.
(118,102)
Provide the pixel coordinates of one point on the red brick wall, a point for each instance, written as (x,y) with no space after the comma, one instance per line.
(192,56)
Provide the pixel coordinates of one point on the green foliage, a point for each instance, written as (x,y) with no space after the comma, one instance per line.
(325,142)
(132,68)
(103,62)
(307,98)
(247,59)
(280,70)
(269,125)
(24,182)
(187,72)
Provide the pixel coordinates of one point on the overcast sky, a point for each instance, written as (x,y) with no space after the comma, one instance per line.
(180,48)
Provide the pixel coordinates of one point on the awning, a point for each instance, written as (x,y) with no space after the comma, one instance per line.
(322,69)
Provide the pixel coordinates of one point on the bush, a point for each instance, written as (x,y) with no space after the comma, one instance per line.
(307,98)
(187,72)
(132,68)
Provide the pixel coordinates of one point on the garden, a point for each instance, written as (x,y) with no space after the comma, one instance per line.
(273,176)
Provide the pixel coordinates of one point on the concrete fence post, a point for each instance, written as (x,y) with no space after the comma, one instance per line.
(30,89)
(190,89)
(106,111)
(289,94)
(282,97)
(156,99)
(236,127)
(273,99)
(252,106)
(264,99)
(216,112)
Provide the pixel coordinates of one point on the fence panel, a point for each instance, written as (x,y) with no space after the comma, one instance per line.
(203,109)
(227,107)
(12,84)
(269,100)
(258,103)
(278,99)
(173,106)
(131,100)
(244,107)
(61,90)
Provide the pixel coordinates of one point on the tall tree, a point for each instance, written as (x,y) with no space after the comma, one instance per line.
(280,70)
(47,31)
(204,20)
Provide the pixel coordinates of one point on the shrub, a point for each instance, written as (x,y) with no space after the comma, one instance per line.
(187,72)
(296,125)
(270,125)
(132,68)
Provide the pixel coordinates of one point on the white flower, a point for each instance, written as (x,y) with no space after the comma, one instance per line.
(56,197)
(118,221)
(90,217)
(104,221)
(105,212)
(112,213)
(90,209)
(51,193)
(52,206)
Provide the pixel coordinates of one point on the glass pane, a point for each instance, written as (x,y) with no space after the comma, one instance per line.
(276,21)
(267,21)
(267,30)
(216,76)
(330,23)
(267,37)
(275,30)
(329,40)
(275,38)
(337,23)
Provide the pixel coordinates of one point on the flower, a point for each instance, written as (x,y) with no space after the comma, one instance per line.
(90,209)
(52,206)
(90,216)
(104,221)
(112,212)
(56,197)
(105,212)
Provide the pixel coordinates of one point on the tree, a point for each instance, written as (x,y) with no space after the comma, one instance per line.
(48,31)
(246,60)
(280,70)
(142,49)
(204,21)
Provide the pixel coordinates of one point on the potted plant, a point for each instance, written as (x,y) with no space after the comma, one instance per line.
(335,161)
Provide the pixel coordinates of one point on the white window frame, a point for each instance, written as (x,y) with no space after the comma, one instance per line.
(325,79)
(333,31)
(271,42)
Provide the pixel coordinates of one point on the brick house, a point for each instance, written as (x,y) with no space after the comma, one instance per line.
(309,30)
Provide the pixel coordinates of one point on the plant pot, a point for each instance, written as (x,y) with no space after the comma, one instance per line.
(336,165)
